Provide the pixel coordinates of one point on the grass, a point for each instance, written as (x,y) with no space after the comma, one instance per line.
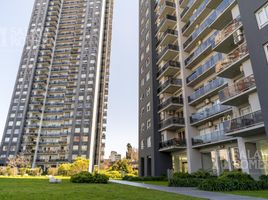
(257,194)
(39,188)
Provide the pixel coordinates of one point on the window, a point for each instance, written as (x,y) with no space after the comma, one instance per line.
(262,16)
(148,107)
(266,51)
(149,142)
(149,124)
(142,144)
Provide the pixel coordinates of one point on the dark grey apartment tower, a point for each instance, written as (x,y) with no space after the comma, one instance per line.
(152,162)
(59,104)
(208,64)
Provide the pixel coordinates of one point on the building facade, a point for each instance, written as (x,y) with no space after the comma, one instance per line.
(207,61)
(59,104)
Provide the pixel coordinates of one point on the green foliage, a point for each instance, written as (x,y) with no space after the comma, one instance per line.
(235,175)
(122,166)
(34,171)
(52,171)
(86,177)
(68,169)
(23,171)
(178,175)
(201,174)
(184,182)
(113,174)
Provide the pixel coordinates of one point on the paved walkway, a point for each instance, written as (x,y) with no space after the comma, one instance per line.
(188,191)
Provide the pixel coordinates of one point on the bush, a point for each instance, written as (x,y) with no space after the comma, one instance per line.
(23,171)
(12,171)
(236,175)
(34,171)
(202,174)
(184,182)
(52,171)
(3,171)
(113,174)
(264,178)
(86,177)
(178,175)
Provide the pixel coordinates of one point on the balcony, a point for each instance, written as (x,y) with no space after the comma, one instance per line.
(171,124)
(173,103)
(170,86)
(239,92)
(200,53)
(190,8)
(230,66)
(207,91)
(169,69)
(172,145)
(199,15)
(170,52)
(166,8)
(168,37)
(210,114)
(211,138)
(205,70)
(168,22)
(250,124)
(225,39)
(224,14)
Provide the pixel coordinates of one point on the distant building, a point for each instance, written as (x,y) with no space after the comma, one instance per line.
(114,156)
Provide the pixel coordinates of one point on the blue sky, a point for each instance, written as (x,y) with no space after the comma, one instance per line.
(123,94)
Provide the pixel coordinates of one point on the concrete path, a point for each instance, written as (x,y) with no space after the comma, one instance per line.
(188,191)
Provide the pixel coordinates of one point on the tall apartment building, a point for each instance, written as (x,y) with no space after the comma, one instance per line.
(59,105)
(203,94)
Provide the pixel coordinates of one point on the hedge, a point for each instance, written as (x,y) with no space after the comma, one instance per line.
(86,177)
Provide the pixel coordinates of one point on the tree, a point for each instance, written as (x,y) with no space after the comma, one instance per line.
(19,162)
(79,165)
(122,165)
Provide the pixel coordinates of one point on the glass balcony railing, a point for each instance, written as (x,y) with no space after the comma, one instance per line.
(205,67)
(169,82)
(210,137)
(172,64)
(206,89)
(244,122)
(169,101)
(232,58)
(172,122)
(239,87)
(169,47)
(173,142)
(209,112)
(206,44)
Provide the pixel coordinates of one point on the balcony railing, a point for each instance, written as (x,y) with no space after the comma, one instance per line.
(232,58)
(223,34)
(209,112)
(167,32)
(167,17)
(173,64)
(171,100)
(237,88)
(204,68)
(173,121)
(206,89)
(169,47)
(170,81)
(244,122)
(171,143)
(208,138)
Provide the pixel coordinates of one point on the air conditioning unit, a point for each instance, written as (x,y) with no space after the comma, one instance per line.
(238,37)
(210,124)
(207,101)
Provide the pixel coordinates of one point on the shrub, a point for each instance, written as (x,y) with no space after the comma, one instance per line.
(52,171)
(235,175)
(178,175)
(202,174)
(184,182)
(113,174)
(145,178)
(264,178)
(12,171)
(3,171)
(100,178)
(22,171)
(34,171)
(86,177)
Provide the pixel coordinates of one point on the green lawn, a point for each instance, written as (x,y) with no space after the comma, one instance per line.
(258,194)
(32,189)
